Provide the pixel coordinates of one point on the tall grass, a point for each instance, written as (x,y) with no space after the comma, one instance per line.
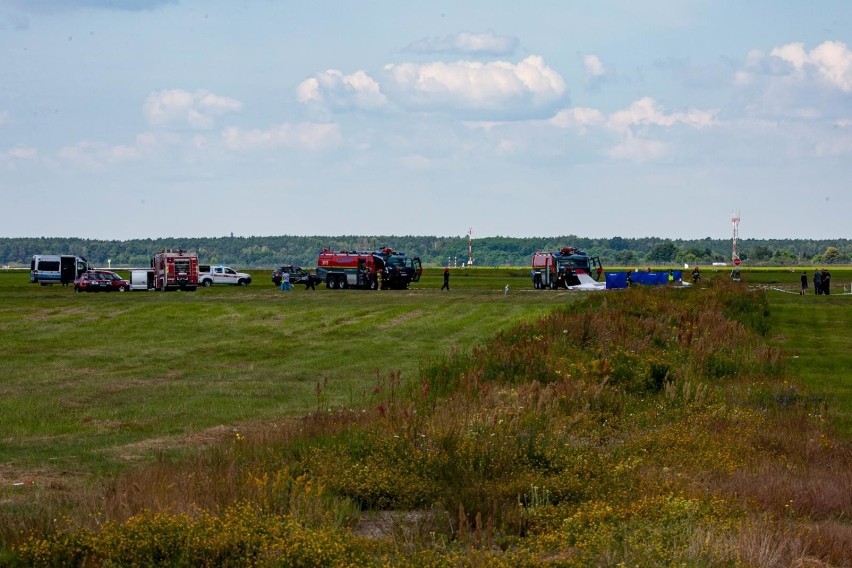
(649,427)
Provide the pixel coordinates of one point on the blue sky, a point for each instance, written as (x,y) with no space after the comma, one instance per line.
(157,118)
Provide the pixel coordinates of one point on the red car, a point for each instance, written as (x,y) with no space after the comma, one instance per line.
(100,281)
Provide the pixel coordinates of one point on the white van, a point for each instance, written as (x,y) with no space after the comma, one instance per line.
(141,279)
(47,269)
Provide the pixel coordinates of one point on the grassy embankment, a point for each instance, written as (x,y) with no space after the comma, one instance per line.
(652,428)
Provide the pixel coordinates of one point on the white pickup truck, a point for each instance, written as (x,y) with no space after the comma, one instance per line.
(209,275)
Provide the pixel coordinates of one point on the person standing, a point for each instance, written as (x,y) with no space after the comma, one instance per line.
(446,279)
(804,283)
(817,282)
(826,282)
(285,281)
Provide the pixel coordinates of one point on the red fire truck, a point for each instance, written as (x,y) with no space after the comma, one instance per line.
(175,270)
(384,268)
(561,268)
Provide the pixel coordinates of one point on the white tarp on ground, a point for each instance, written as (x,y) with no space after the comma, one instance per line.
(588,283)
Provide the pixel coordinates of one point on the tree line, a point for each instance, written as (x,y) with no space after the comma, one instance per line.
(272,251)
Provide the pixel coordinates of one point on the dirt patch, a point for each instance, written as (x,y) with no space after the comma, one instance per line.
(138,450)
(405,526)
(27,480)
(204,438)
(50,313)
(399,320)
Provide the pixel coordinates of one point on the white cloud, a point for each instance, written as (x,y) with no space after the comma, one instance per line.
(638,150)
(793,82)
(176,108)
(467,44)
(792,53)
(491,86)
(96,156)
(146,144)
(833,61)
(309,136)
(17,155)
(22,153)
(631,125)
(416,162)
(334,89)
(830,62)
(84,154)
(594,66)
(645,111)
(577,117)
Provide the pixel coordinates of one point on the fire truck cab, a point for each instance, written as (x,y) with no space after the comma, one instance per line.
(384,268)
(175,270)
(561,269)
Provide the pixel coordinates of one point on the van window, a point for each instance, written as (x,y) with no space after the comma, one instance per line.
(48,266)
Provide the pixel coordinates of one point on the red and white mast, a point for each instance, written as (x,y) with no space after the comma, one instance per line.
(470,247)
(735,221)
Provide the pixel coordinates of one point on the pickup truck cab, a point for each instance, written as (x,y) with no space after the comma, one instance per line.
(209,275)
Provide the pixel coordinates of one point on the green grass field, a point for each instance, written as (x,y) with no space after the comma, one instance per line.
(625,426)
(94,380)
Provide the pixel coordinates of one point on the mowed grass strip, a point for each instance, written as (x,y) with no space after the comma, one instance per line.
(88,379)
(815,333)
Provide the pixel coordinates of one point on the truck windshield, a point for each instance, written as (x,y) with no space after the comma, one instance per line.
(401,262)
(574,263)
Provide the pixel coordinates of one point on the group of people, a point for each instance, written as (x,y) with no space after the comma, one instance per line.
(822,282)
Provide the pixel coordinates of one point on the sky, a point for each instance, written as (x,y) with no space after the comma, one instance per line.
(125,119)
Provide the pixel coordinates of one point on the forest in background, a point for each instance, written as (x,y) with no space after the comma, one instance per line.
(272,251)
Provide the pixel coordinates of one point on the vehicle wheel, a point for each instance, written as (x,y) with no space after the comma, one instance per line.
(77,289)
(121,288)
(331,282)
(342,283)
(241,282)
(206,283)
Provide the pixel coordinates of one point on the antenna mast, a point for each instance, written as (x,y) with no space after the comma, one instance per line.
(735,221)
(470,247)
